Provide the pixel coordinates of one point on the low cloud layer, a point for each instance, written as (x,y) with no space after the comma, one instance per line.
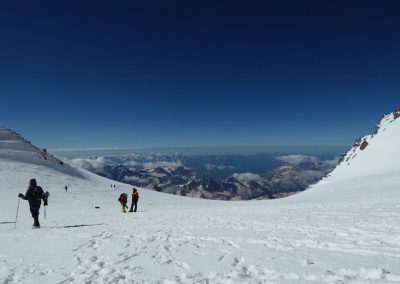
(153,165)
(136,180)
(248,177)
(97,163)
(300,159)
(297,159)
(211,167)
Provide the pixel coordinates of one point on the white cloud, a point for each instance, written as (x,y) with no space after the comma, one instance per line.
(136,179)
(211,167)
(297,159)
(153,165)
(97,163)
(133,163)
(331,163)
(85,149)
(248,177)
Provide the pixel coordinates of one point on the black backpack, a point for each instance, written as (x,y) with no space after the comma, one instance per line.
(36,192)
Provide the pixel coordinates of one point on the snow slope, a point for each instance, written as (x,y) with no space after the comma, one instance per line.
(371,173)
(346,229)
(16,148)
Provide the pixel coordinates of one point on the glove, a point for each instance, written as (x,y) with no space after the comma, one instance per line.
(20,195)
(45,202)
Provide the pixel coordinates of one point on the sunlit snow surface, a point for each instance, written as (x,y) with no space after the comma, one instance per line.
(346,229)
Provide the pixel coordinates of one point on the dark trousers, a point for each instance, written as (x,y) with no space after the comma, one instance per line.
(35,216)
(124,207)
(36,220)
(134,203)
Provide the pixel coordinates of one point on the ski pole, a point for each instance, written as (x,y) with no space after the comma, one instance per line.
(16,216)
(44,212)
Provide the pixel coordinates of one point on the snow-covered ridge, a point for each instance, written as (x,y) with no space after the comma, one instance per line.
(376,153)
(370,170)
(362,143)
(14,147)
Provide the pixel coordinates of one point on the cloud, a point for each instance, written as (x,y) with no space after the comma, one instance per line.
(135,179)
(248,177)
(331,163)
(133,163)
(211,167)
(301,173)
(153,165)
(86,149)
(297,159)
(97,163)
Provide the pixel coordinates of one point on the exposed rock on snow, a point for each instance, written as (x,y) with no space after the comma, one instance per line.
(362,142)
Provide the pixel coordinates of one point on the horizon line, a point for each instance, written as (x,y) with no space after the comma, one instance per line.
(189,147)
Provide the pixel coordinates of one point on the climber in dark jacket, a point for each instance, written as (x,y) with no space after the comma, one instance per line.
(135,199)
(34,195)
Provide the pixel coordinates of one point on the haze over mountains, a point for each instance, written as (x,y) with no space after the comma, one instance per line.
(226,177)
(73,153)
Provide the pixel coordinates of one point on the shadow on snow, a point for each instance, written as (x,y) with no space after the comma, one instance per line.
(76,226)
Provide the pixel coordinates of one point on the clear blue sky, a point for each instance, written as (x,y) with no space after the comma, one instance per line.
(197,73)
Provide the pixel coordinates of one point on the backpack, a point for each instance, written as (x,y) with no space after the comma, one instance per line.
(46,196)
(123,198)
(36,192)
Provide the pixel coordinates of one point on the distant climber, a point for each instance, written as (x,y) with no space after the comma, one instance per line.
(135,199)
(66,188)
(34,195)
(123,199)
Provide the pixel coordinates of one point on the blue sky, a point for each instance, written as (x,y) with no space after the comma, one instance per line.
(197,73)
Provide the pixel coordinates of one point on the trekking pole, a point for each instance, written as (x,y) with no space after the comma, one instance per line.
(16,216)
(47,195)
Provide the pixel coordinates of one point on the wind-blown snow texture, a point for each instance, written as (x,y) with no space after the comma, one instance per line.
(346,229)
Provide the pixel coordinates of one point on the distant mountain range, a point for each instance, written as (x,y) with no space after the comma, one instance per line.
(224,177)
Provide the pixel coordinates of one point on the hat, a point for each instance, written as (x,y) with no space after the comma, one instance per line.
(32,182)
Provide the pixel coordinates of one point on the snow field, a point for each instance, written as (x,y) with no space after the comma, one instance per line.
(181,240)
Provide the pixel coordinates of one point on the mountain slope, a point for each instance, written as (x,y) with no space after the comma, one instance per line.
(339,231)
(369,170)
(376,153)
(14,147)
